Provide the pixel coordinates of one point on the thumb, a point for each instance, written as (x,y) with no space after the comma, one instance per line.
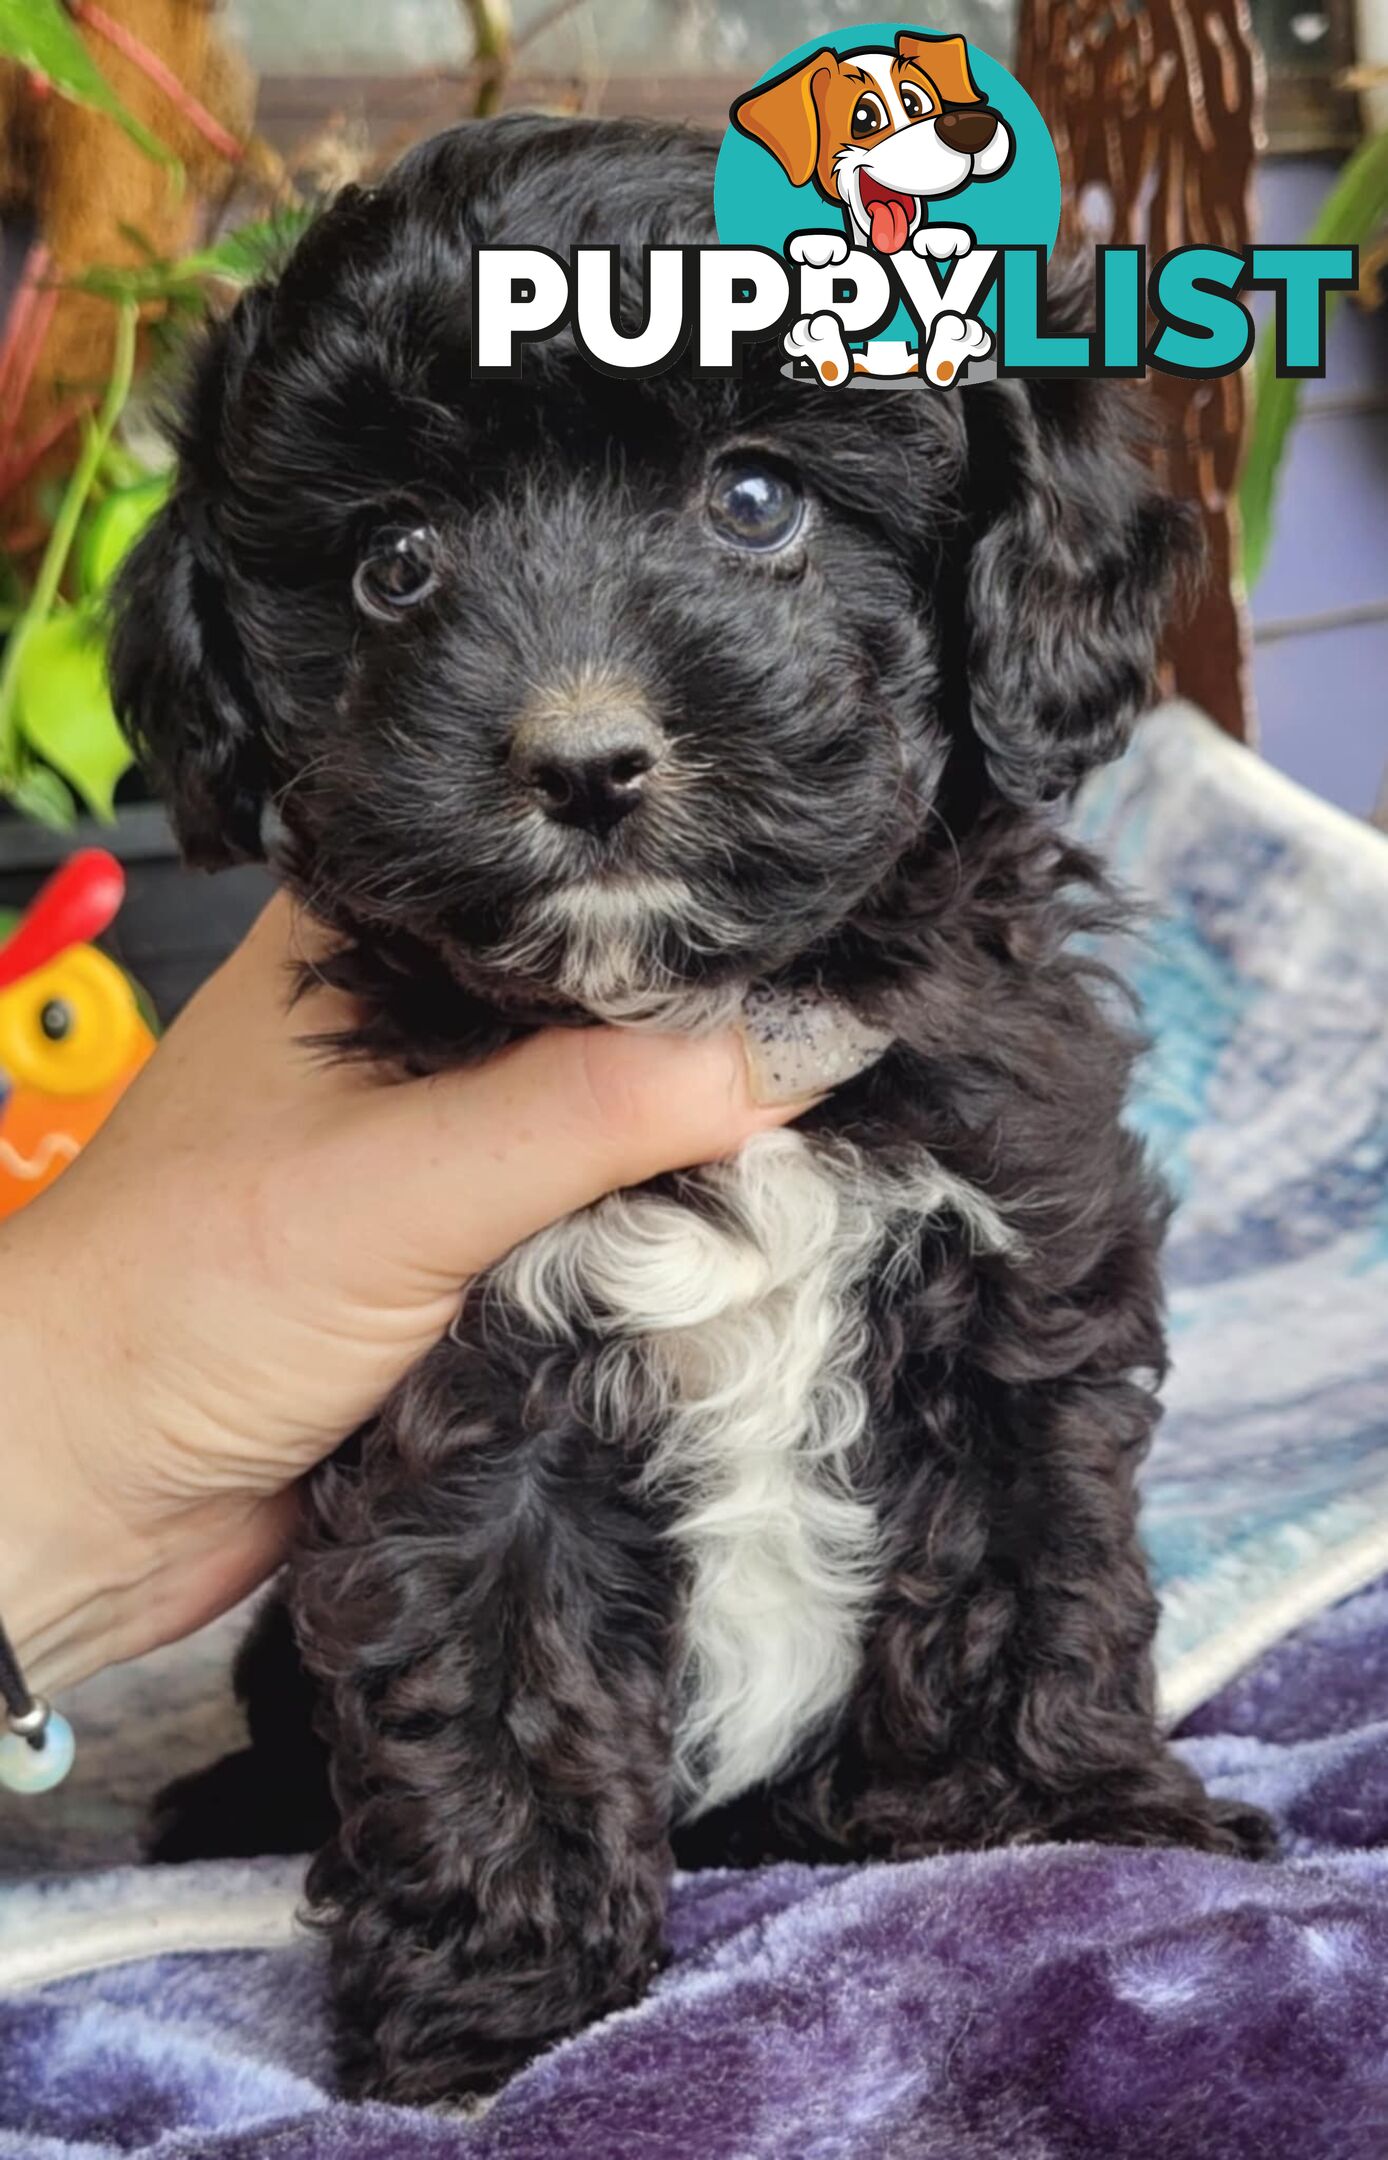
(555,1122)
(482,1159)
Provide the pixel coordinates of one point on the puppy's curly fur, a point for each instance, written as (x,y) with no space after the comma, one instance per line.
(787,1507)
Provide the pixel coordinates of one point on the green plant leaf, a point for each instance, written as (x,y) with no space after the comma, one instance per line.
(137,284)
(238,258)
(39,794)
(64,707)
(111,529)
(44,595)
(41,35)
(1351,216)
(248,251)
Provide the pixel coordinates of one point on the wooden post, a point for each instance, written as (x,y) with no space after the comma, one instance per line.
(1155,109)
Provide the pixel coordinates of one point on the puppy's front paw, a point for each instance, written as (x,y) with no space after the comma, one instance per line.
(819,339)
(817,250)
(227,1811)
(943,243)
(1242,1830)
(456,2084)
(1143,1816)
(954,341)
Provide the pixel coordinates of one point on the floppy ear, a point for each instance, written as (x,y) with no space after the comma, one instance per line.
(178,675)
(1070,582)
(946,61)
(784,117)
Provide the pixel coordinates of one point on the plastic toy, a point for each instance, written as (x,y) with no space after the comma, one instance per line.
(73,1033)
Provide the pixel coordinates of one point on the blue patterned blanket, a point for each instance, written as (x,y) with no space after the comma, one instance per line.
(1041,2004)
(1264,983)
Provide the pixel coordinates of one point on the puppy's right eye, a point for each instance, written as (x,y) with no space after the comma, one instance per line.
(398,571)
(755,504)
(869,116)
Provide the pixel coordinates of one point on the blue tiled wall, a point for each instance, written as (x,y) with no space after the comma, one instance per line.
(1320,609)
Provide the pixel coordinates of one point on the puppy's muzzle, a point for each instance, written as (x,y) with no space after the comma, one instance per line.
(586,763)
(969,131)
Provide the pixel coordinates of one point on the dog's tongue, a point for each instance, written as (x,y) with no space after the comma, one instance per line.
(889,223)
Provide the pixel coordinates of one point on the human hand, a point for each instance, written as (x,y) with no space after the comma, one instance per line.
(256,1248)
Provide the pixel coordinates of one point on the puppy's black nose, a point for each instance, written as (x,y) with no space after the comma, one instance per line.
(968,131)
(587,766)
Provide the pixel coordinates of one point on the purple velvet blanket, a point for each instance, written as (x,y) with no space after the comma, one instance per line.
(1036,2004)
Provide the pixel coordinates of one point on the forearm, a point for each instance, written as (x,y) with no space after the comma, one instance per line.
(82,1582)
(69,1579)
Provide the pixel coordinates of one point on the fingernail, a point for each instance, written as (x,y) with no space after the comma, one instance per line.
(799,1044)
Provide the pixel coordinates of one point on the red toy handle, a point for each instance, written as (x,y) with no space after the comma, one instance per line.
(78,902)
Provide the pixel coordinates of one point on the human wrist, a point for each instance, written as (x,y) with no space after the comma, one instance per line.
(72,1575)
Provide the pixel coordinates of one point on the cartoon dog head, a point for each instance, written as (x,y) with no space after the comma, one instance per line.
(880,133)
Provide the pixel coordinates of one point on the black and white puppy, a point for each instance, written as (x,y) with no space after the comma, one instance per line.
(785,1508)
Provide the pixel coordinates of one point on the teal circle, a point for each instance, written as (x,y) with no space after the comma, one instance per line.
(754,204)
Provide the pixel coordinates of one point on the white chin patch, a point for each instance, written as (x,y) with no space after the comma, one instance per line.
(599,944)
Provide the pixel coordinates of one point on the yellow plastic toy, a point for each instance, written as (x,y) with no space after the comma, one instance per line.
(72,1032)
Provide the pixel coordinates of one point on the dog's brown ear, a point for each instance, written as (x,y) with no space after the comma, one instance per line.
(946,61)
(783,116)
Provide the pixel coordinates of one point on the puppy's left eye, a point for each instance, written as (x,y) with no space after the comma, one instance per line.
(914,103)
(400,569)
(755,505)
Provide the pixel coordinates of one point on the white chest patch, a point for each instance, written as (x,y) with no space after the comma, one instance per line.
(736,1340)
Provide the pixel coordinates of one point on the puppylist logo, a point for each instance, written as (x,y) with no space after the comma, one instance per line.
(886,202)
(932,157)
